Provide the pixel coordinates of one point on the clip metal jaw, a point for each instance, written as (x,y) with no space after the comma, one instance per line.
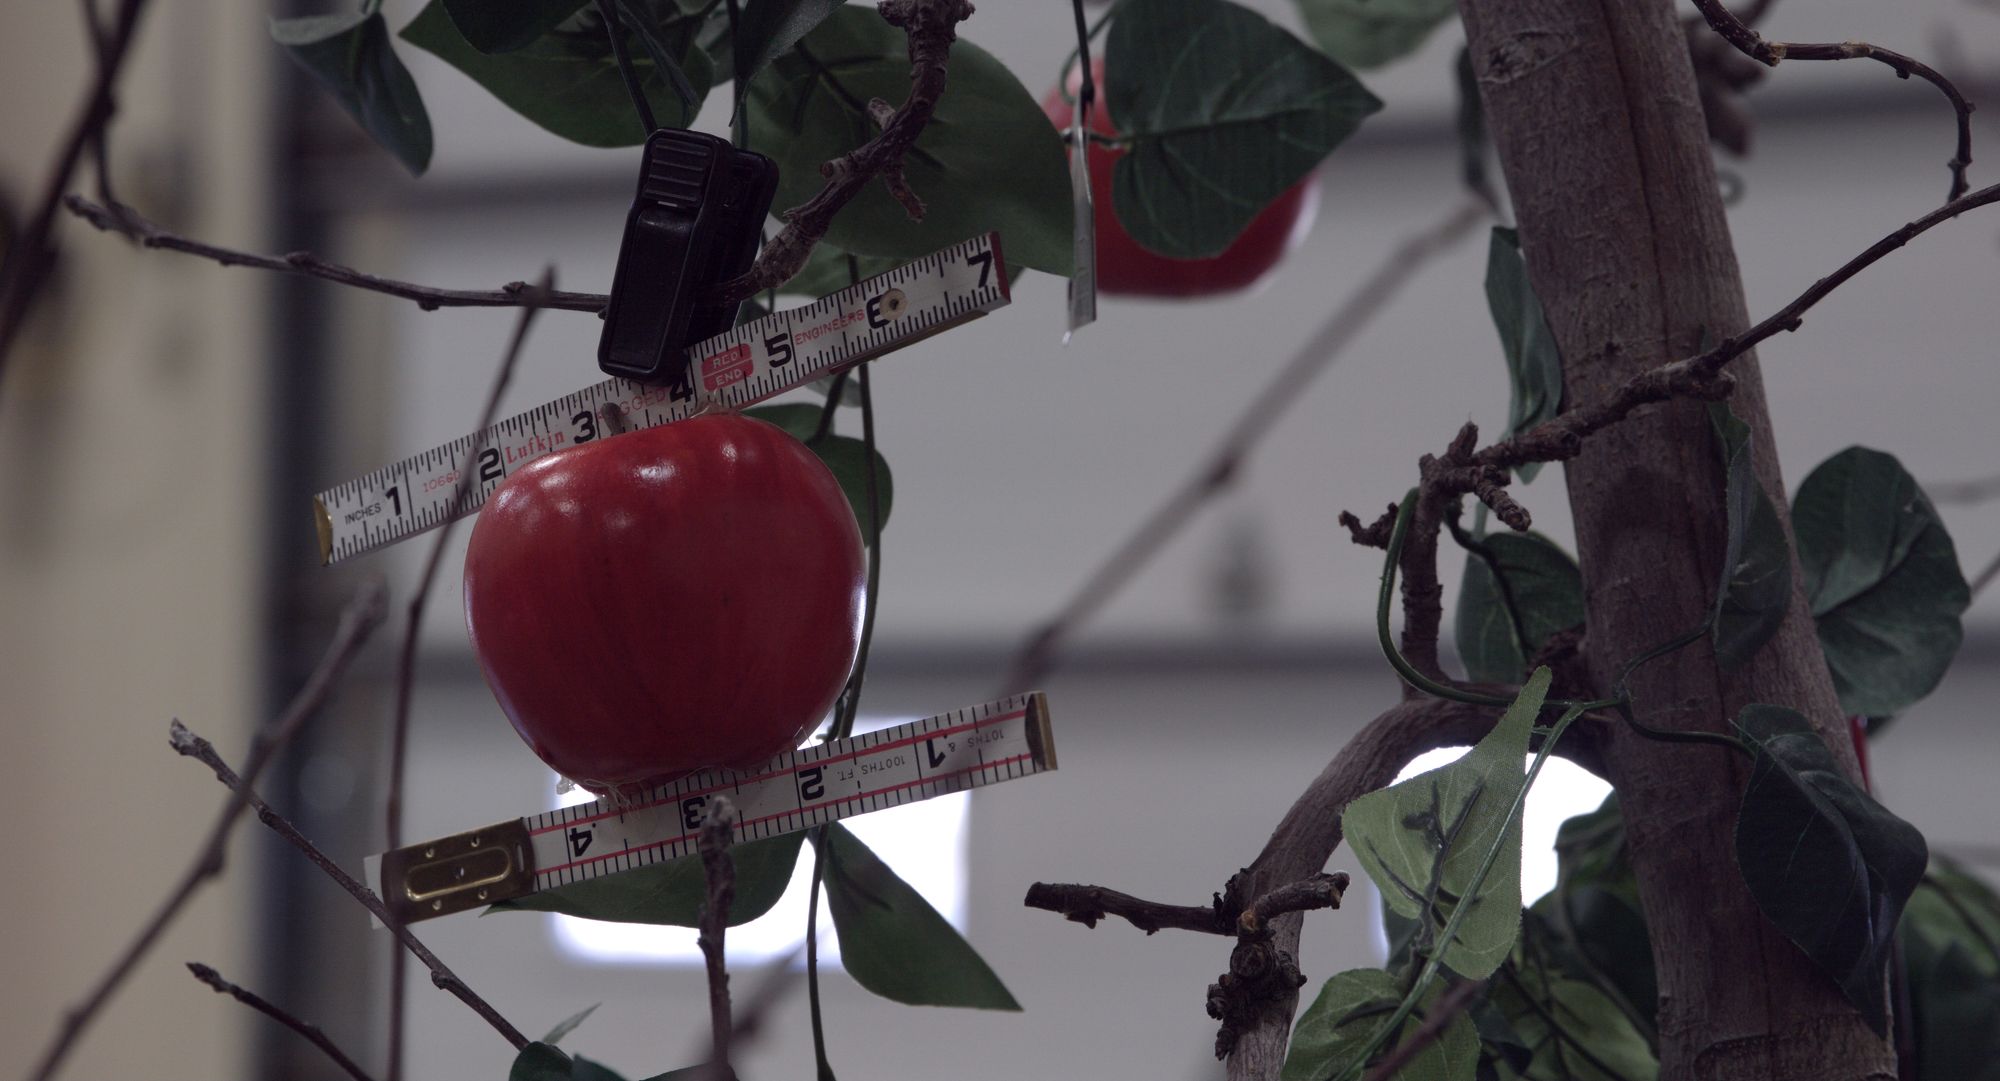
(694,224)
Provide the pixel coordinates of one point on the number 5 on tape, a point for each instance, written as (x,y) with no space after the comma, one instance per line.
(951,752)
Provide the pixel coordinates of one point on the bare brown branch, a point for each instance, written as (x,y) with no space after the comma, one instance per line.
(533,298)
(1752,44)
(719,871)
(932,25)
(1088,904)
(1218,471)
(201,750)
(357,621)
(262,1005)
(128,222)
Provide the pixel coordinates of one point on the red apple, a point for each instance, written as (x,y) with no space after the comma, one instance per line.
(666,600)
(1124,268)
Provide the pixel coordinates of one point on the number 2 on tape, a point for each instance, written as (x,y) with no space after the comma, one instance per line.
(739,367)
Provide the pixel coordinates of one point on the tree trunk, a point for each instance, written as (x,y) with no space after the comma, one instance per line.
(1593,107)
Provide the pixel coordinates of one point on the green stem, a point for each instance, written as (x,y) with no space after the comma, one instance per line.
(1466,903)
(812,960)
(1087,34)
(1484,551)
(1623,702)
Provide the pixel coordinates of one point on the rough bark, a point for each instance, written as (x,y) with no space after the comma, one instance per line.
(1595,112)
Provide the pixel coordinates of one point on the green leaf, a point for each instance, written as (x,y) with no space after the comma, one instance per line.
(1590,1038)
(1955,1004)
(1546,593)
(1952,904)
(1224,111)
(893,942)
(568,1024)
(673,892)
(567,80)
(769,29)
(350,56)
(844,455)
(1593,919)
(1882,578)
(1534,369)
(539,1062)
(1342,1019)
(1370,33)
(987,160)
(1756,586)
(826,271)
(498,26)
(1422,840)
(1827,864)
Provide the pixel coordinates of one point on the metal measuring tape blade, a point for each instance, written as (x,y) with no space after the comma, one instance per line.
(951,752)
(739,367)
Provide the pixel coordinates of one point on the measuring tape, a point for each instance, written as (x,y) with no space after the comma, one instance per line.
(748,364)
(951,752)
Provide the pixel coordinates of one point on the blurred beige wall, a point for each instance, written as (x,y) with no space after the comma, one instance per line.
(130,443)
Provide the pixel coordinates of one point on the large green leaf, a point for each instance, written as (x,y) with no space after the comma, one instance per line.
(673,892)
(1951,947)
(1370,33)
(1341,1021)
(768,29)
(1576,1032)
(1883,580)
(1756,585)
(893,942)
(498,26)
(567,80)
(1592,919)
(1541,585)
(844,455)
(988,159)
(350,56)
(1827,864)
(1422,840)
(568,1024)
(1534,369)
(827,271)
(1224,112)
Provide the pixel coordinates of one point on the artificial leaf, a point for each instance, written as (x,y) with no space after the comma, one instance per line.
(662,53)
(1829,866)
(673,892)
(351,57)
(893,942)
(1882,578)
(1422,840)
(844,455)
(767,29)
(498,26)
(987,160)
(1223,112)
(1370,33)
(1576,1032)
(1960,907)
(1756,586)
(568,1024)
(1951,948)
(1343,1019)
(1594,922)
(1534,369)
(567,80)
(1538,589)
(827,270)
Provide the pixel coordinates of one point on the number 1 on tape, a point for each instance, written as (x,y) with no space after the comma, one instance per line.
(951,752)
(739,367)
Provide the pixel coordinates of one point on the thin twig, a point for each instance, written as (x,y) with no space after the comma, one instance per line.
(199,749)
(128,222)
(1752,44)
(359,619)
(1306,895)
(29,257)
(257,1002)
(1088,904)
(719,871)
(406,661)
(932,25)
(1038,654)
(1443,1012)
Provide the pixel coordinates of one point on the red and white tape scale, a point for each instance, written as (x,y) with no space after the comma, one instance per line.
(951,752)
(747,364)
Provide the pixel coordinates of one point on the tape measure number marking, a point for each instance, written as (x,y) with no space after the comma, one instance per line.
(739,367)
(951,752)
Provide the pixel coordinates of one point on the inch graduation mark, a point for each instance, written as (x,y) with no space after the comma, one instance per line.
(741,366)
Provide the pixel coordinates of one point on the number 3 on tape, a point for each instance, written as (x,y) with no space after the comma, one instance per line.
(739,367)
